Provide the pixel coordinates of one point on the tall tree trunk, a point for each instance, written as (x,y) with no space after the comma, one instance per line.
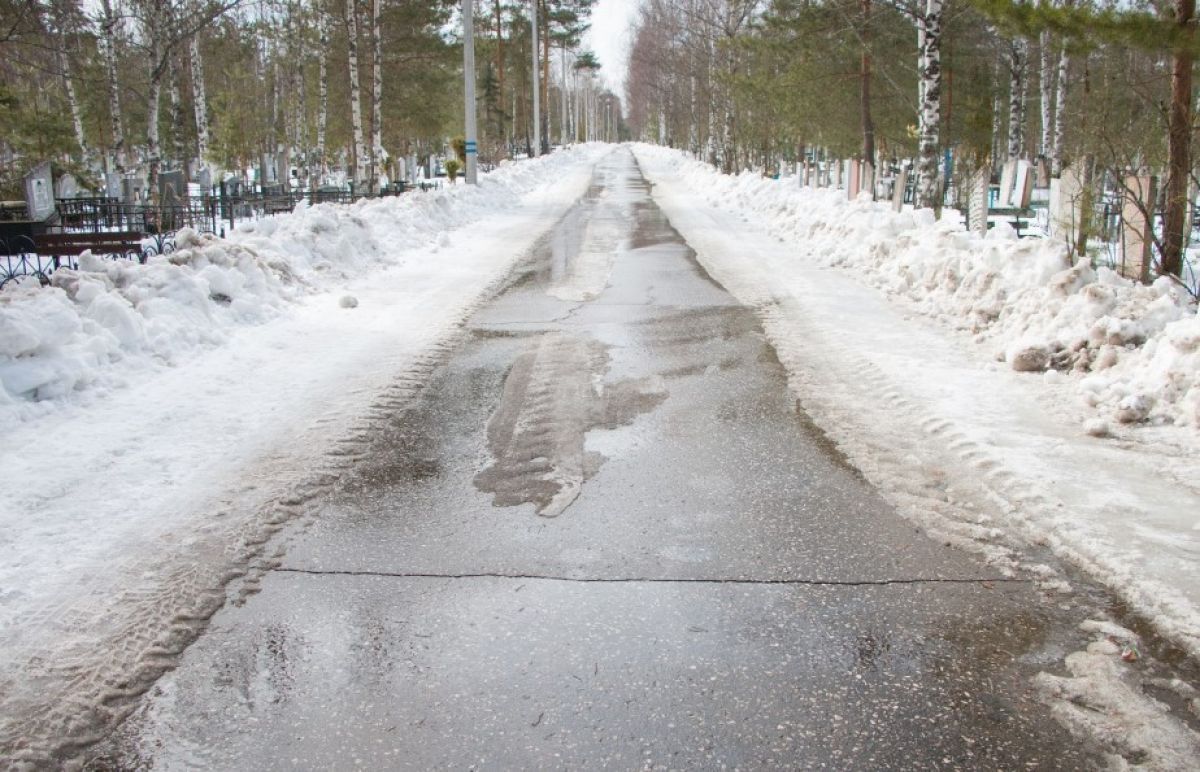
(500,72)
(108,52)
(322,93)
(1046,87)
(1060,101)
(929,188)
(545,82)
(356,118)
(61,25)
(175,146)
(1179,138)
(1017,56)
(565,125)
(199,100)
(535,131)
(154,35)
(376,97)
(868,126)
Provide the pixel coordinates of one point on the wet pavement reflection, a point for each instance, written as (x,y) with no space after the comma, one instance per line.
(608,537)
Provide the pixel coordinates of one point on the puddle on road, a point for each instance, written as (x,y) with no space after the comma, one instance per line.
(551,400)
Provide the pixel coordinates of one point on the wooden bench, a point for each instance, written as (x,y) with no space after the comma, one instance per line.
(72,245)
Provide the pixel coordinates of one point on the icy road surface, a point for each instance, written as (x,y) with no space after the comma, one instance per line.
(606,535)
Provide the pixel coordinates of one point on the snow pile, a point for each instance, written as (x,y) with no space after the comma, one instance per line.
(1134,349)
(93,327)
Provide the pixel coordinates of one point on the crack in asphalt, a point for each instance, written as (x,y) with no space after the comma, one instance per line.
(656,580)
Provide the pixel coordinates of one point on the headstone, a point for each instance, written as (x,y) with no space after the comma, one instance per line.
(267,172)
(171,187)
(133,189)
(898,190)
(1022,189)
(1066,204)
(283,173)
(112,185)
(813,179)
(66,187)
(867,176)
(804,169)
(1042,167)
(39,192)
(1137,233)
(853,180)
(1008,177)
(977,204)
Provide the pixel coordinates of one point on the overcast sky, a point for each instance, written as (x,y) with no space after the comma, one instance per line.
(609,38)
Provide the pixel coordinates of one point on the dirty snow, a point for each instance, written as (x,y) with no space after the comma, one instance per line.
(900,333)
(146,411)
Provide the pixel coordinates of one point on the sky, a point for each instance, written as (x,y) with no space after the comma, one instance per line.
(610,38)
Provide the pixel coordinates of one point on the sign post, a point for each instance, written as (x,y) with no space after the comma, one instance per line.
(469,90)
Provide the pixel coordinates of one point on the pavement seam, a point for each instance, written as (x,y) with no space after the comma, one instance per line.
(657,580)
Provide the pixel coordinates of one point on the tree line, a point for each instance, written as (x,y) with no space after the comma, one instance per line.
(1104,88)
(319,86)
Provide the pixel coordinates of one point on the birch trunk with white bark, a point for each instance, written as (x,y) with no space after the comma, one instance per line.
(1017,58)
(356,118)
(1060,101)
(199,100)
(108,52)
(929,190)
(322,92)
(67,72)
(376,97)
(1046,87)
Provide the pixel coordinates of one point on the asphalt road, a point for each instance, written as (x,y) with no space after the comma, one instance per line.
(607,536)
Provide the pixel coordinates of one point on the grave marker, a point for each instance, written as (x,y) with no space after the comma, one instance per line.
(66,186)
(39,192)
(1066,205)
(1008,175)
(901,184)
(853,179)
(1022,190)
(1137,233)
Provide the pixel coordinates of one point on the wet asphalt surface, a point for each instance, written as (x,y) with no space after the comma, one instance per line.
(608,537)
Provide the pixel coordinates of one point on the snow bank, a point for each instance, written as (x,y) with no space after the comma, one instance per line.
(1134,350)
(87,332)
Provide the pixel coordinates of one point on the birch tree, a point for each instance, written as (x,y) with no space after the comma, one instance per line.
(322,88)
(929,192)
(355,91)
(199,98)
(1017,59)
(64,12)
(377,156)
(107,44)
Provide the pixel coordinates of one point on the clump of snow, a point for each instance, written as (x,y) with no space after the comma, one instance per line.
(1026,358)
(83,334)
(348,301)
(1118,339)
(1103,698)
(1096,427)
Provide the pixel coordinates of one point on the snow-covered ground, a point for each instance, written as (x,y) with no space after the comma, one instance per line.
(900,334)
(134,397)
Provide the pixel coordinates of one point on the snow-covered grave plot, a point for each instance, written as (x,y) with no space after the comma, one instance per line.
(156,421)
(996,394)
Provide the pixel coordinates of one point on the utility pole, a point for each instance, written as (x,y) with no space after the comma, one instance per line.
(536,148)
(468,11)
